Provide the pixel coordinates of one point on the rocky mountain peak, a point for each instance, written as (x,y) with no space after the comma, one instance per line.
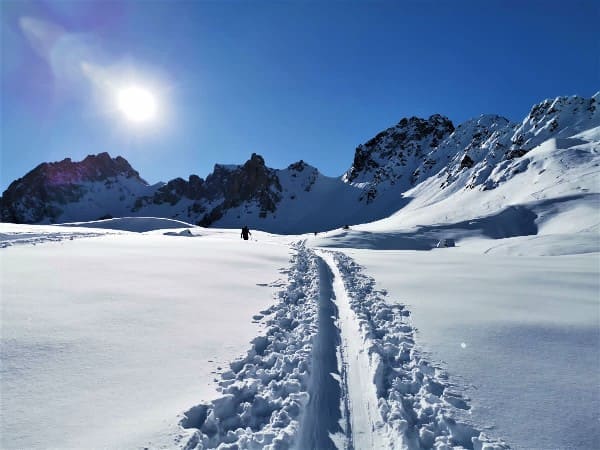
(42,191)
(298,166)
(380,158)
(92,168)
(560,117)
(230,187)
(483,132)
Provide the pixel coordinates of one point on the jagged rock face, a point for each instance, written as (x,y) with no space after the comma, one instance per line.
(561,117)
(252,182)
(504,141)
(227,187)
(41,193)
(173,192)
(480,142)
(409,139)
(398,156)
(298,166)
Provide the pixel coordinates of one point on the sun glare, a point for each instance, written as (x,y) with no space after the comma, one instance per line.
(137,104)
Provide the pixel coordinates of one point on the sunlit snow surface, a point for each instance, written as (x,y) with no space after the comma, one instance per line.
(106,340)
(110,336)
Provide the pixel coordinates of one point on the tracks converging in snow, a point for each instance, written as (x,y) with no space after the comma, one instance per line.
(338,368)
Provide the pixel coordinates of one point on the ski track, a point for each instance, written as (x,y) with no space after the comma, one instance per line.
(20,238)
(337,368)
(365,419)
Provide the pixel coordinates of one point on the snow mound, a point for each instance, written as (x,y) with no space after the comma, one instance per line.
(186,233)
(416,401)
(265,392)
(135,224)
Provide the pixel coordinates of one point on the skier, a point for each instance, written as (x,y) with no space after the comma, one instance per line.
(245,233)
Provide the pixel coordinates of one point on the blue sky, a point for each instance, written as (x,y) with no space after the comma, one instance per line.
(289,80)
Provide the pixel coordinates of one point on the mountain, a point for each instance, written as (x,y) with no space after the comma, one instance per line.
(398,156)
(403,156)
(417,160)
(82,189)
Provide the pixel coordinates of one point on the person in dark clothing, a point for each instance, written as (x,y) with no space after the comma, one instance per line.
(245,233)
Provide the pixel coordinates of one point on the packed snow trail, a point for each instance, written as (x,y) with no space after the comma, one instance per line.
(365,418)
(265,393)
(324,425)
(338,368)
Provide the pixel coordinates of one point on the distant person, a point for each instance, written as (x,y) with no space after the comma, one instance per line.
(245,233)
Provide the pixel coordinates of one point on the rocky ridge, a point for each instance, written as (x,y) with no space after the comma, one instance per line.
(38,195)
(414,150)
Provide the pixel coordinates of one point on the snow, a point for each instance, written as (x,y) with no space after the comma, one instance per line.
(307,197)
(116,196)
(521,334)
(397,397)
(106,340)
(195,343)
(264,393)
(558,177)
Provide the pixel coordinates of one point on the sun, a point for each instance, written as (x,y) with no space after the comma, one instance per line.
(137,104)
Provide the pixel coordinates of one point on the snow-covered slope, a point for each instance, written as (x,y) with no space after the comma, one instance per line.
(135,224)
(552,192)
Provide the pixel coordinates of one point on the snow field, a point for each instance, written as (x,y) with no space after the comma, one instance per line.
(11,234)
(417,404)
(338,368)
(106,340)
(518,335)
(137,325)
(264,393)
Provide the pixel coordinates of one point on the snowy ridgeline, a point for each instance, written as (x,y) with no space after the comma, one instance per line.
(415,163)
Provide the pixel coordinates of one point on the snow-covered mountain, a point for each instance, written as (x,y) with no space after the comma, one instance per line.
(414,150)
(97,186)
(428,158)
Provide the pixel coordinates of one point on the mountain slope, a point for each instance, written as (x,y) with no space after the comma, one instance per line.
(475,147)
(82,190)
(551,194)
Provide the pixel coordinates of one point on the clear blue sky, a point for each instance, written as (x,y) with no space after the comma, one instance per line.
(288,79)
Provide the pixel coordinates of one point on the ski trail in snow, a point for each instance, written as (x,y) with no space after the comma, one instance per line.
(363,409)
(337,368)
(324,426)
